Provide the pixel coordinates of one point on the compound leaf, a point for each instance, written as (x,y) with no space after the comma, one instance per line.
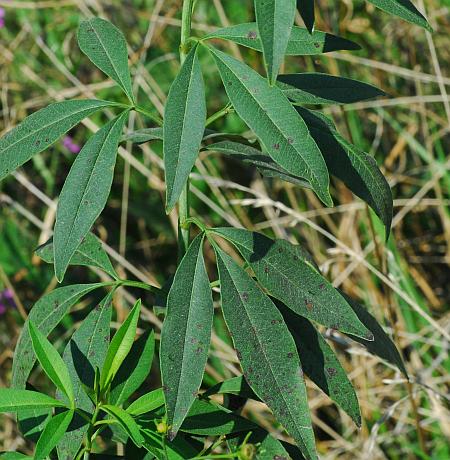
(275,19)
(184,125)
(104,44)
(267,111)
(186,334)
(13,400)
(41,129)
(266,350)
(403,9)
(85,192)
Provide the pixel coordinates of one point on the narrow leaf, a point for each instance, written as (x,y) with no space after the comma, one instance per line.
(134,370)
(267,111)
(287,273)
(52,434)
(184,125)
(320,363)
(14,456)
(140,136)
(41,129)
(147,403)
(266,350)
(51,362)
(403,9)
(126,422)
(186,335)
(12,400)
(320,88)
(90,253)
(104,44)
(275,19)
(237,386)
(120,346)
(306,10)
(85,192)
(84,353)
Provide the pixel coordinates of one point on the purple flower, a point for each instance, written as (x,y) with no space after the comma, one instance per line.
(6,300)
(2,17)
(70,145)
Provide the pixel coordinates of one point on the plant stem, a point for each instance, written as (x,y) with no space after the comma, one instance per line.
(148,114)
(221,113)
(183,203)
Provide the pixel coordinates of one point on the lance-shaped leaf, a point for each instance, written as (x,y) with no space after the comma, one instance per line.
(84,353)
(90,253)
(301,42)
(134,370)
(186,335)
(120,346)
(184,125)
(237,386)
(147,403)
(12,400)
(268,112)
(320,88)
(355,168)
(382,345)
(104,44)
(85,192)
(41,129)
(306,10)
(51,362)
(275,19)
(403,9)
(289,276)
(320,363)
(52,434)
(14,456)
(266,351)
(126,421)
(265,165)
(140,136)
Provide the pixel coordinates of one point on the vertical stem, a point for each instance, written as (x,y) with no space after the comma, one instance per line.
(183,203)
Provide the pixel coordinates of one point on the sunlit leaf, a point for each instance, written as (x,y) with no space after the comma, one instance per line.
(126,421)
(403,9)
(12,400)
(147,403)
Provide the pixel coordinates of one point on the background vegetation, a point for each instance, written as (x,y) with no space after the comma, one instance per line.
(404,283)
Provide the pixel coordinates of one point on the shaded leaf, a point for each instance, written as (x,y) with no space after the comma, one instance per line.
(301,42)
(184,125)
(104,44)
(12,400)
(321,88)
(275,19)
(85,192)
(53,432)
(140,136)
(266,351)
(90,253)
(287,273)
(235,386)
(306,10)
(126,421)
(41,129)
(147,403)
(403,9)
(267,111)
(186,334)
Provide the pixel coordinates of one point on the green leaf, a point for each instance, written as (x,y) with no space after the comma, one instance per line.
(403,9)
(265,165)
(382,345)
(13,456)
(147,403)
(236,386)
(287,273)
(51,362)
(208,419)
(120,346)
(266,351)
(186,335)
(301,42)
(355,168)
(267,111)
(104,44)
(126,421)
(85,192)
(321,88)
(275,19)
(320,363)
(52,434)
(184,125)
(134,370)
(140,136)
(12,400)
(85,351)
(90,253)
(41,129)
(306,10)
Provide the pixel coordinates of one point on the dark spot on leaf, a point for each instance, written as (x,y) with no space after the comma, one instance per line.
(199,350)
(37,143)
(193,340)
(166,389)
(331,371)
(252,35)
(322,286)
(317,45)
(245,296)
(290,140)
(199,326)
(290,354)
(276,146)
(266,269)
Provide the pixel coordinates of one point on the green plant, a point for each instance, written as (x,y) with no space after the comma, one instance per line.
(270,304)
